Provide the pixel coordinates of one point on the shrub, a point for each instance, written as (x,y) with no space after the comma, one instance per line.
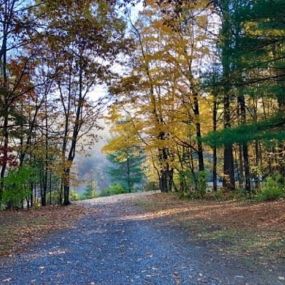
(54,197)
(89,193)
(17,186)
(74,196)
(114,189)
(202,183)
(215,196)
(195,184)
(151,186)
(271,190)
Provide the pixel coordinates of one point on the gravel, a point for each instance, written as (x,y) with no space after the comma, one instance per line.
(116,245)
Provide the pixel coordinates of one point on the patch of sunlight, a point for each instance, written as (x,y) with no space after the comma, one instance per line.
(244,242)
(57,252)
(154,215)
(221,235)
(53,252)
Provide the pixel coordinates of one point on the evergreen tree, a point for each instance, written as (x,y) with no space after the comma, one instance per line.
(127,167)
(90,191)
(255,56)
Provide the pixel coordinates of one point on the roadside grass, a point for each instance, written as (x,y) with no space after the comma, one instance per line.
(19,228)
(241,228)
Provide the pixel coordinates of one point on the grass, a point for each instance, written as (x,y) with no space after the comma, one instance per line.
(232,227)
(18,228)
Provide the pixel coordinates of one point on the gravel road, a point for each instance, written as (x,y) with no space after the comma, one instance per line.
(118,245)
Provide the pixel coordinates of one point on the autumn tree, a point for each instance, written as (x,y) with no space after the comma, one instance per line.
(16,30)
(84,44)
(49,66)
(163,88)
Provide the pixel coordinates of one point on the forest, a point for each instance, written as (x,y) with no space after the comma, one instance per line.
(195,96)
(176,105)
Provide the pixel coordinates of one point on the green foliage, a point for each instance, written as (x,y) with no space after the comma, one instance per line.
(54,197)
(18,186)
(89,193)
(151,186)
(215,196)
(264,130)
(194,184)
(113,189)
(185,179)
(271,189)
(202,182)
(258,24)
(127,167)
(74,196)
(224,195)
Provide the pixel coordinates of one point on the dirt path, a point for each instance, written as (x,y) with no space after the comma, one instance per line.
(118,245)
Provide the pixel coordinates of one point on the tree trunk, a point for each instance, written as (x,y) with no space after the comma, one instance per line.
(257,163)
(241,169)
(229,173)
(244,145)
(229,176)
(50,187)
(128,174)
(66,187)
(32,195)
(215,115)
(61,192)
(5,153)
(198,134)
(246,167)
(44,193)
(3,65)
(162,181)
(166,180)
(45,185)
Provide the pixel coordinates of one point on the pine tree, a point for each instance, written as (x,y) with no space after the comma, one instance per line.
(255,55)
(127,168)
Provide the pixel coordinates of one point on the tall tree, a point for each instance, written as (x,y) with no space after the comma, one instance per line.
(84,43)
(17,26)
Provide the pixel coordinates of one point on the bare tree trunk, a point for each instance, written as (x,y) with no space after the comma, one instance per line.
(128,174)
(32,195)
(215,115)
(66,187)
(45,185)
(241,169)
(50,187)
(4,130)
(61,192)
(198,134)
(166,180)
(229,174)
(242,106)
(5,154)
(6,25)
